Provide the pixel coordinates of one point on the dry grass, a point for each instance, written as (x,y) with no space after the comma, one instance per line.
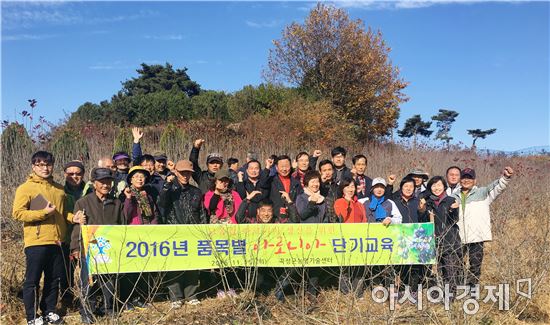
(520,249)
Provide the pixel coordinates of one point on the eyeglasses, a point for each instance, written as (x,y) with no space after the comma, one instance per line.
(42,165)
(74,174)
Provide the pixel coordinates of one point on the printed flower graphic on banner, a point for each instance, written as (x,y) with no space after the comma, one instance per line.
(100,245)
(417,245)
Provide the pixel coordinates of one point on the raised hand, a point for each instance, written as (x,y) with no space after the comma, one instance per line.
(316,153)
(128,193)
(508,172)
(137,133)
(268,163)
(170,165)
(240,177)
(391,179)
(198,143)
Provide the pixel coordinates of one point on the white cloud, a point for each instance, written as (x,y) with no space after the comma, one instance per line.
(170,37)
(265,24)
(17,15)
(116,65)
(26,37)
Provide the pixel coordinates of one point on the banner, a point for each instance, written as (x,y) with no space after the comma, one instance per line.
(153,248)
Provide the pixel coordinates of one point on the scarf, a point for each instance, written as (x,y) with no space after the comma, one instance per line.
(362,182)
(228,205)
(143,205)
(299,175)
(437,199)
(310,193)
(375,206)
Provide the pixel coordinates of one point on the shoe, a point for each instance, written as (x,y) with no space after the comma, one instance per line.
(175,304)
(136,304)
(36,321)
(53,318)
(193,302)
(85,319)
(280,296)
(221,294)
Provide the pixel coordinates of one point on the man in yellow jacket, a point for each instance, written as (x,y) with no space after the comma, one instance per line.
(40,204)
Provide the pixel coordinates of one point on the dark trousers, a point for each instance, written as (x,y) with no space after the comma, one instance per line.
(188,281)
(311,278)
(474,254)
(352,280)
(411,275)
(66,283)
(450,267)
(46,259)
(89,292)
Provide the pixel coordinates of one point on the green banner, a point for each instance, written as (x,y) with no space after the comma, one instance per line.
(151,248)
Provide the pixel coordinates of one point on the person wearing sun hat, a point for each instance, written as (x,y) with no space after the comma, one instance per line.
(139,207)
(420,178)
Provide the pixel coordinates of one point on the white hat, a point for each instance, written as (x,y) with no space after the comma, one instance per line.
(377,181)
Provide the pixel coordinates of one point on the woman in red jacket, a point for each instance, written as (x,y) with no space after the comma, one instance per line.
(349,210)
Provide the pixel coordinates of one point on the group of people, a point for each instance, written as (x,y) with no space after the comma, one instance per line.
(148,189)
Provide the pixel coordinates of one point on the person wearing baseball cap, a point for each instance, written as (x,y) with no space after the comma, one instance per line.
(214,163)
(122,162)
(161,164)
(474,220)
(182,203)
(100,208)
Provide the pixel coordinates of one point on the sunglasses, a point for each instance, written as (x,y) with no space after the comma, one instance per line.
(74,174)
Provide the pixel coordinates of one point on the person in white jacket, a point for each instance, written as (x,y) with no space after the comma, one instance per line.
(475,217)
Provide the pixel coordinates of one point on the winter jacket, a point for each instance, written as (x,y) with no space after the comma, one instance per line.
(341,174)
(391,211)
(311,212)
(273,185)
(215,207)
(474,213)
(202,178)
(182,204)
(40,228)
(247,186)
(330,192)
(98,212)
(408,209)
(445,222)
(350,211)
(133,213)
(450,191)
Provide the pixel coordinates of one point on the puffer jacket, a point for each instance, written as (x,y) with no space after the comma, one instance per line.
(40,228)
(474,220)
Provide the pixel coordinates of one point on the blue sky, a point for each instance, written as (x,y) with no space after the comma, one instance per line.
(487,60)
